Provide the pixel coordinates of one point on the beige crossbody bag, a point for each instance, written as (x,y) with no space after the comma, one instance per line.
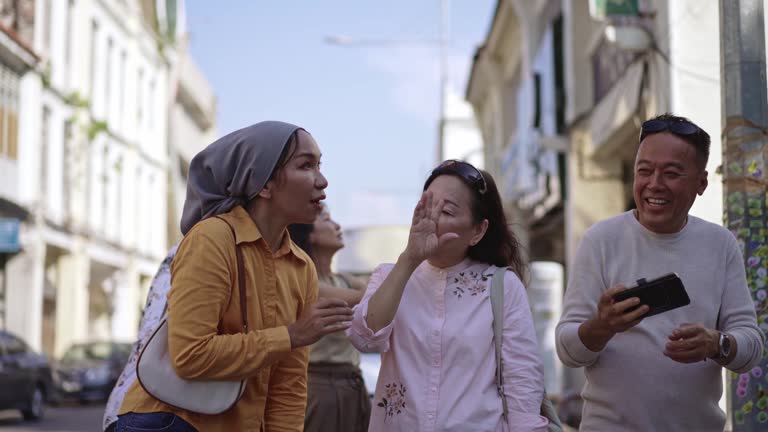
(158,378)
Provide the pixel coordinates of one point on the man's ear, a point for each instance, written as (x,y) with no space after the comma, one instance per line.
(266,192)
(480,230)
(703,183)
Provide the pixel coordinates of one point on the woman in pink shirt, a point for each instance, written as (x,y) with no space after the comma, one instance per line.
(429,314)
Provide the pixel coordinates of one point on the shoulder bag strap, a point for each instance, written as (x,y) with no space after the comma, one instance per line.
(497,306)
(345,278)
(240,278)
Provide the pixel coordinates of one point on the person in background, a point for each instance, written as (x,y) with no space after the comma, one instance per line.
(337,399)
(430,316)
(255,181)
(150,319)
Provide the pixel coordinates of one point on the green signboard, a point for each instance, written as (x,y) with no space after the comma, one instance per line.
(600,9)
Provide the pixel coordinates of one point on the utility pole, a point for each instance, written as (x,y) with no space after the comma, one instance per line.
(745,123)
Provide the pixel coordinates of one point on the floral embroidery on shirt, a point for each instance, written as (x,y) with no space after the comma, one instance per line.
(393,401)
(471,282)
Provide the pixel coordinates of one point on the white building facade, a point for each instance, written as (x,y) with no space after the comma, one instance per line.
(460,136)
(92,169)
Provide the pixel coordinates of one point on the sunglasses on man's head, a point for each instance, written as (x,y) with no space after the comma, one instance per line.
(466,171)
(678,127)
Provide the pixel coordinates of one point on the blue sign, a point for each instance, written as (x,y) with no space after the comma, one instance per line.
(9,235)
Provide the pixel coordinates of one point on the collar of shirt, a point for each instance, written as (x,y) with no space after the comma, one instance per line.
(247,232)
(442,271)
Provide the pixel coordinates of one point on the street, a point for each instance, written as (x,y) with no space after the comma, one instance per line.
(64,418)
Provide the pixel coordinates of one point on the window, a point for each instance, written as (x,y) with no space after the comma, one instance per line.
(66,173)
(138,207)
(117,199)
(44,147)
(94,351)
(108,80)
(121,90)
(3,275)
(151,105)
(560,99)
(536,100)
(9,112)
(139,98)
(12,344)
(19,16)
(69,32)
(94,62)
(559,56)
(609,62)
(47,22)
(105,181)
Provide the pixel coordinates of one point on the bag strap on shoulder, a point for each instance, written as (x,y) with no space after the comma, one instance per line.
(240,277)
(497,306)
(345,278)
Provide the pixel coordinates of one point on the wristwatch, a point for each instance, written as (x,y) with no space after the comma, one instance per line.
(724,343)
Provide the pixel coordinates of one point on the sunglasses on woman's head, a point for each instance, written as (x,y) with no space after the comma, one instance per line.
(677,127)
(466,171)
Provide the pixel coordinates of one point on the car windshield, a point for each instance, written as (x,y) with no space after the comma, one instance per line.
(95,351)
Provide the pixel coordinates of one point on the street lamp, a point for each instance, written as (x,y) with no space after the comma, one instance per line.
(344,40)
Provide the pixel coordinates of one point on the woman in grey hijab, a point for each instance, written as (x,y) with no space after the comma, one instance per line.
(243,190)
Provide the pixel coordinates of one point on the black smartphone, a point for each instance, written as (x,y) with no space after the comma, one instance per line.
(661,294)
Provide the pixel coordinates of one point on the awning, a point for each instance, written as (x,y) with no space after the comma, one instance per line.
(614,113)
(15,51)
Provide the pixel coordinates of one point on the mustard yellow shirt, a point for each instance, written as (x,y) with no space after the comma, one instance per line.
(279,286)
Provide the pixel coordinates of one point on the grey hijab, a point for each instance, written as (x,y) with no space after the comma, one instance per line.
(233,170)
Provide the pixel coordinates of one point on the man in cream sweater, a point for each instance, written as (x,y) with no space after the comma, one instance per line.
(661,373)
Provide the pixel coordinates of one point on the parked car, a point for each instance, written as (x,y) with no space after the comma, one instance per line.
(89,371)
(26,381)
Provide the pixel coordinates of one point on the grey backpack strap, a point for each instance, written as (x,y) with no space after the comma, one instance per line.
(497,306)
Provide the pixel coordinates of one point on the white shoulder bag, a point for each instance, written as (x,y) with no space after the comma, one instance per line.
(158,378)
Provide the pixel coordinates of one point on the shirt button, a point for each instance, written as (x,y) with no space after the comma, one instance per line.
(434,389)
(430,416)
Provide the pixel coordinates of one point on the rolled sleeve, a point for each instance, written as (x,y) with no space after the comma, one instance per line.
(585,286)
(737,314)
(571,349)
(749,350)
(360,335)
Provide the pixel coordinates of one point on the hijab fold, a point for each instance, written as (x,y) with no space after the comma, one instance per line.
(233,170)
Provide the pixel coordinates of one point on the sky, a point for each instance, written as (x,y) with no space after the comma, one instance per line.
(372,108)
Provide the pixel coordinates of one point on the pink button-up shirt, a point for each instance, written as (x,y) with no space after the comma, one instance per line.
(438,361)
